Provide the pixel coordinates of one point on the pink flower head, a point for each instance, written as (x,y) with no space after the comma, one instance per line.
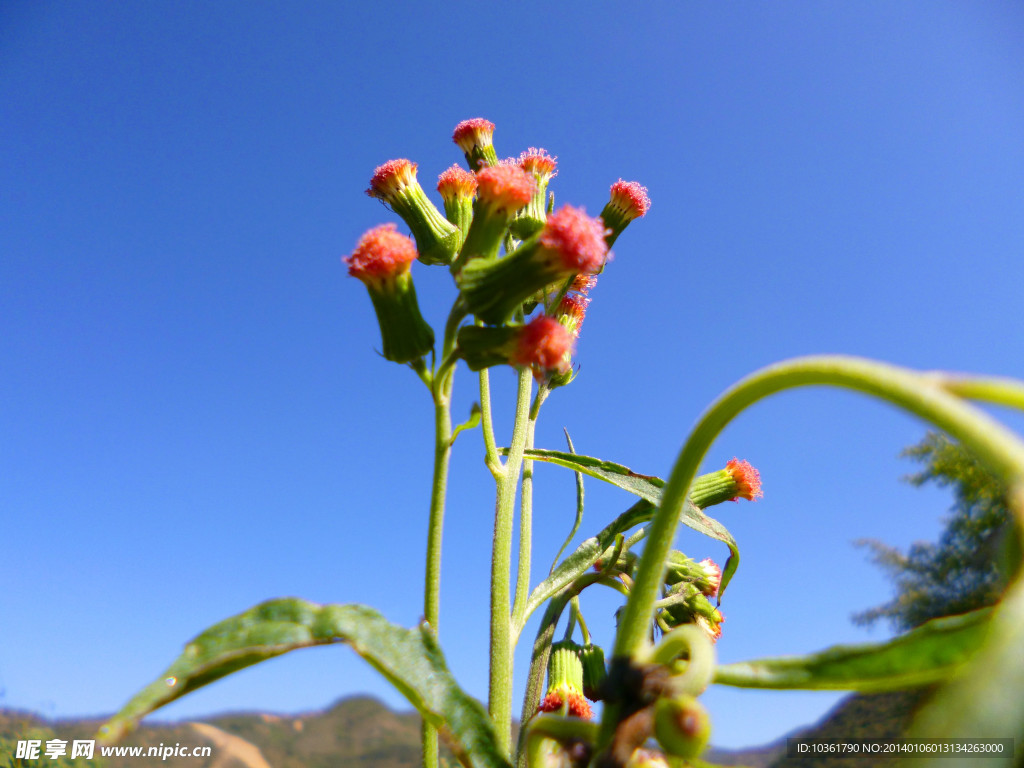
(392,178)
(629,199)
(505,187)
(382,253)
(475,132)
(748,479)
(538,163)
(544,343)
(456,182)
(578,239)
(578,705)
(583,283)
(713,574)
(571,311)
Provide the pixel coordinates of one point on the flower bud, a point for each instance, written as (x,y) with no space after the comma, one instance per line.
(712,577)
(691,606)
(541,166)
(739,480)
(475,139)
(565,682)
(543,344)
(571,311)
(501,191)
(594,671)
(437,239)
(628,201)
(458,188)
(682,726)
(570,243)
(382,260)
(705,575)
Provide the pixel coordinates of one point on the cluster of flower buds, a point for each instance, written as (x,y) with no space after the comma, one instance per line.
(549,258)
(705,575)
(685,603)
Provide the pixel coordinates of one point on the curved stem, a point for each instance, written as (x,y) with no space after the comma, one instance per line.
(500,688)
(992,389)
(990,441)
(491,457)
(700,667)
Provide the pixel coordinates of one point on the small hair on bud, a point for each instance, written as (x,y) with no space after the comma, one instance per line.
(381,252)
(630,198)
(748,479)
(475,132)
(456,182)
(583,283)
(577,238)
(391,178)
(505,187)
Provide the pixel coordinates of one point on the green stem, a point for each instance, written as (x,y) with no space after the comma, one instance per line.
(500,689)
(491,457)
(992,389)
(432,591)
(990,441)
(441,389)
(526,512)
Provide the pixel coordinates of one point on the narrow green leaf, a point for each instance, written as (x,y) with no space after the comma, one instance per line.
(409,658)
(579,508)
(645,486)
(648,488)
(927,654)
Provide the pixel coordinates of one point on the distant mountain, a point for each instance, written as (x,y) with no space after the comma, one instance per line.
(361,732)
(875,716)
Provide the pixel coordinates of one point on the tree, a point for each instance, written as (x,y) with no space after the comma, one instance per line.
(970,565)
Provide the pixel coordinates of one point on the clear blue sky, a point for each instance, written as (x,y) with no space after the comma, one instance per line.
(193,417)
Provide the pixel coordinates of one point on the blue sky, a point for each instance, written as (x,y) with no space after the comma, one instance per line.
(192,414)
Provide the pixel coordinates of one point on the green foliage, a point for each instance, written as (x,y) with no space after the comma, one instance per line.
(928,654)
(963,570)
(648,488)
(409,658)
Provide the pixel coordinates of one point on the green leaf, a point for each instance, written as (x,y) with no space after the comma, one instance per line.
(579,507)
(985,699)
(924,655)
(648,488)
(409,658)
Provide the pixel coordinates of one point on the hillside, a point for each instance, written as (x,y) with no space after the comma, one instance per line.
(361,732)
